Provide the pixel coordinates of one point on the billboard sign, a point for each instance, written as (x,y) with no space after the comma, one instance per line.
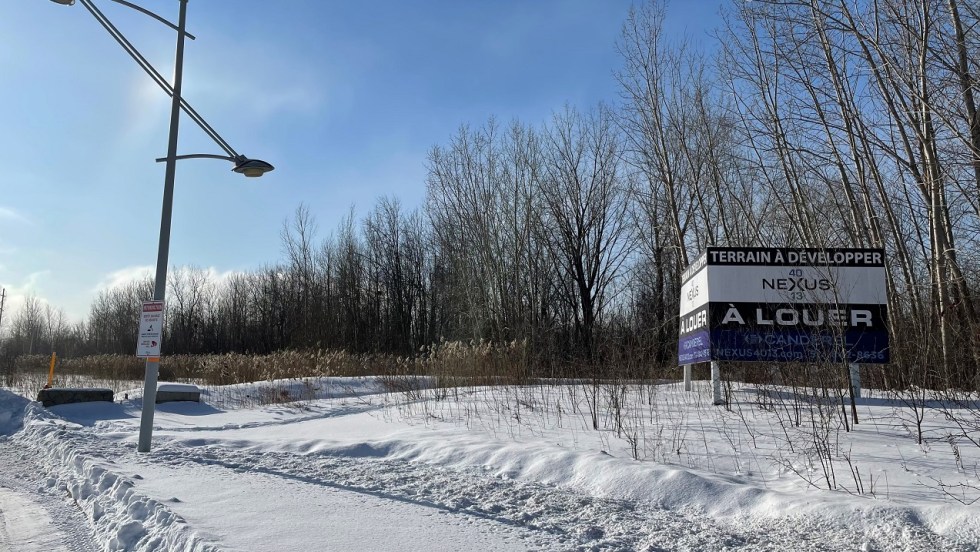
(784,304)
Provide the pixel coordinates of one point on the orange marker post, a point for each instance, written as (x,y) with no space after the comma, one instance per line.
(54,358)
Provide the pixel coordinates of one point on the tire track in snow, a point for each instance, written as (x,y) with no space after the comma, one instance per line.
(550,518)
(558,518)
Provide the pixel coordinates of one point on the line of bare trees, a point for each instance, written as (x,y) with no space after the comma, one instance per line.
(814,123)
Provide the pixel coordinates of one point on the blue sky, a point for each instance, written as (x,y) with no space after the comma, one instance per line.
(345,98)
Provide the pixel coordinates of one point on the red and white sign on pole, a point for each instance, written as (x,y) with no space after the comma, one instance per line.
(151,328)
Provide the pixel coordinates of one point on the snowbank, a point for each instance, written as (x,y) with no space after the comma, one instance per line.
(12,409)
(496,454)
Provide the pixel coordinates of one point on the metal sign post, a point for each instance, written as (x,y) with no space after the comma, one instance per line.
(716,395)
(855,373)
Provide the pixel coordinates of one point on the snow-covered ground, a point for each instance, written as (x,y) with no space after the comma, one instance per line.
(356,466)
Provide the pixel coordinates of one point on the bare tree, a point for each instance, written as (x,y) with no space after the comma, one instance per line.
(584,220)
(305,296)
(189,309)
(482,206)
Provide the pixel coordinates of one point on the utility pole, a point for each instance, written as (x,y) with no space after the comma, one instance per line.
(3,298)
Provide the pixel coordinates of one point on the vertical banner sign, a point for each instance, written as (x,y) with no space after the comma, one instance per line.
(784,304)
(151,328)
(695,337)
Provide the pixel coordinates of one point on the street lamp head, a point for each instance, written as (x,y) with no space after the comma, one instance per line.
(251,167)
(64,2)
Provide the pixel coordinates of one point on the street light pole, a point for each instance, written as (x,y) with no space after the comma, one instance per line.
(242,165)
(163,252)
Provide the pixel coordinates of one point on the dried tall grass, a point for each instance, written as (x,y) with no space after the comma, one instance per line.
(451,364)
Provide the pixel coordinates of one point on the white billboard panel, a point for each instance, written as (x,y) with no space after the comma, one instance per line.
(784,304)
(796,284)
(694,292)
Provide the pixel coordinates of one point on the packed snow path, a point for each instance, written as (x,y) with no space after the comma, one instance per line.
(36,518)
(357,495)
(352,475)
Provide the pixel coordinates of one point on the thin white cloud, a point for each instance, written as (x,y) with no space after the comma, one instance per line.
(218,279)
(123,277)
(278,83)
(285,93)
(262,100)
(9,214)
(146,110)
(33,277)
(16,294)
(297,99)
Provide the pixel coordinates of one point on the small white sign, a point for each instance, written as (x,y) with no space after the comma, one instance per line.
(151,328)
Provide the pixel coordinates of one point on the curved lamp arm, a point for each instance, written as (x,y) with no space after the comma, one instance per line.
(243,165)
(140,9)
(145,11)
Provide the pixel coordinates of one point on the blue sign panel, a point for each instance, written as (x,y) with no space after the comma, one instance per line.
(694,347)
(796,345)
